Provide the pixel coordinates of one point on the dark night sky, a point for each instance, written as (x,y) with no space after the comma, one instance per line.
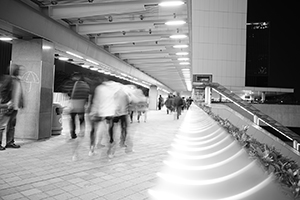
(282,16)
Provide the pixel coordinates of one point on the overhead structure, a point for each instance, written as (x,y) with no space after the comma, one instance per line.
(144,34)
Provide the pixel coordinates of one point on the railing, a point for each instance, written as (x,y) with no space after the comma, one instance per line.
(257,115)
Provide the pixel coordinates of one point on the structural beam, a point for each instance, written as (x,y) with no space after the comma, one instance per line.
(127,39)
(93,9)
(136,56)
(135,49)
(112,27)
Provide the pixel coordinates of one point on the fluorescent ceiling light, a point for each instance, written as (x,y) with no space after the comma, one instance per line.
(173,23)
(182,53)
(94,68)
(184,63)
(178,36)
(95,63)
(183,59)
(181,46)
(6,38)
(73,54)
(63,58)
(46,47)
(85,66)
(171,3)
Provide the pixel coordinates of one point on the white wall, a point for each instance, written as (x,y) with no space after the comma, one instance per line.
(219,40)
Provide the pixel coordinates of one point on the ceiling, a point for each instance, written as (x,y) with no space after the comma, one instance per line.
(134,31)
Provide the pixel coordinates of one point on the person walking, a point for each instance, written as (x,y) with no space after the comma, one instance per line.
(178,102)
(17,101)
(169,103)
(6,87)
(78,100)
(160,102)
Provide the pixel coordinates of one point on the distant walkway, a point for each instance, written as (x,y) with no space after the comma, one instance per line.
(45,170)
(204,162)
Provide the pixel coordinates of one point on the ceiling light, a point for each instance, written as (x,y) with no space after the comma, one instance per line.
(95,63)
(73,54)
(178,36)
(46,47)
(85,66)
(181,46)
(183,59)
(6,38)
(63,58)
(173,23)
(182,53)
(171,3)
(184,63)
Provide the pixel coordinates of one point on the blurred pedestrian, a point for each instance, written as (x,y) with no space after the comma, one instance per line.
(169,103)
(6,108)
(178,102)
(160,102)
(17,103)
(78,102)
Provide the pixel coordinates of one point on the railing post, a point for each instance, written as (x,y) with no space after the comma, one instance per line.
(207,95)
(296,145)
(255,120)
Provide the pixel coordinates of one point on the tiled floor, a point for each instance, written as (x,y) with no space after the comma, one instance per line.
(45,170)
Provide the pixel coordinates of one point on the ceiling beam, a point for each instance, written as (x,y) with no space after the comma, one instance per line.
(84,10)
(156,60)
(127,39)
(112,27)
(143,55)
(135,49)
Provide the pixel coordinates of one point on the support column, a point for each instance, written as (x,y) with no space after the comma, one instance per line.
(207,96)
(153,93)
(37,78)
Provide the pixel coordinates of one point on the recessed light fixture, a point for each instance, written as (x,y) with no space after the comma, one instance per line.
(46,47)
(173,23)
(182,53)
(73,54)
(184,63)
(178,36)
(63,58)
(95,63)
(183,59)
(181,46)
(171,3)
(5,38)
(85,66)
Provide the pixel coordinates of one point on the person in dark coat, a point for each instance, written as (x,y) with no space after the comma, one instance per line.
(178,102)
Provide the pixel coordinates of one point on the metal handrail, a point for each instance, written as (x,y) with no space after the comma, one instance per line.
(257,114)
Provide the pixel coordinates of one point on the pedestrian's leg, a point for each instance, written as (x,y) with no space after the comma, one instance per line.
(131,116)
(1,135)
(10,132)
(110,151)
(73,125)
(138,116)
(92,137)
(82,124)
(123,130)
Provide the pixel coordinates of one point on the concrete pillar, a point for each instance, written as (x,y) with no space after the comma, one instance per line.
(37,78)
(153,95)
(207,96)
